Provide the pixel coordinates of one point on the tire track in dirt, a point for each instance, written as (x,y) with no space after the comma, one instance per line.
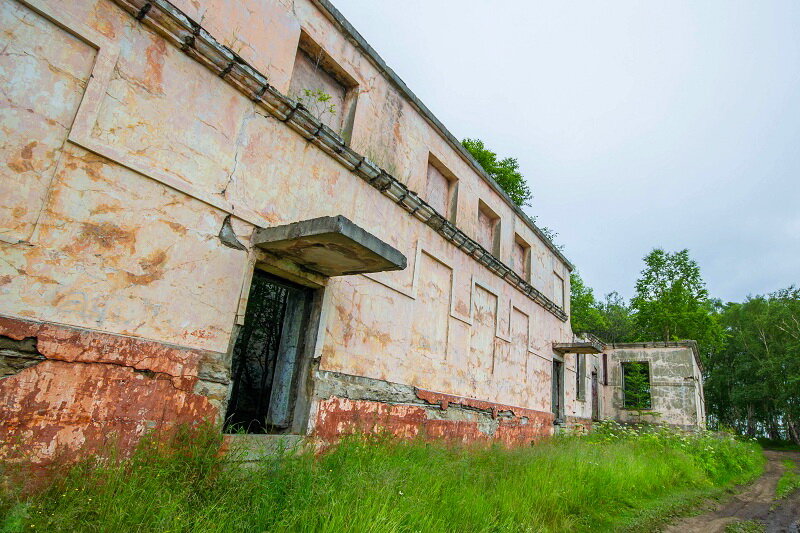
(756,502)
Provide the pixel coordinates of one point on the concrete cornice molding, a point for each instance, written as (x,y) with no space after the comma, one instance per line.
(336,17)
(662,344)
(189,36)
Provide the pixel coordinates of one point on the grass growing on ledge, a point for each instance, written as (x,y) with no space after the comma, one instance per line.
(601,482)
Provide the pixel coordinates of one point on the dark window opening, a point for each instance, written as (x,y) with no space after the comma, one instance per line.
(636,385)
(265,357)
(557,378)
(580,376)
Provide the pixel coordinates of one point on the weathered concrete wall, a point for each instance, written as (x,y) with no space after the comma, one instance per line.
(675,383)
(579,409)
(349,404)
(85,389)
(123,156)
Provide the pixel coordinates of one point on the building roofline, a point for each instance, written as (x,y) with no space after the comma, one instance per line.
(339,20)
(189,36)
(662,344)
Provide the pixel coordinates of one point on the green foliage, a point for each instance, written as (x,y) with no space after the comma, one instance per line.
(551,236)
(753,382)
(504,171)
(585,313)
(637,386)
(789,481)
(618,323)
(317,102)
(750,350)
(745,526)
(671,301)
(600,483)
(611,320)
(722,457)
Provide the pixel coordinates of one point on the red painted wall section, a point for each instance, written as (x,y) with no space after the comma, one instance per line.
(511,426)
(94,389)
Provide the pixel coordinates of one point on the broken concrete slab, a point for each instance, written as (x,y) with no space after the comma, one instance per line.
(332,246)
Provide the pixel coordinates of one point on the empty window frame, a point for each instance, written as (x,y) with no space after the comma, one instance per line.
(521,258)
(441,189)
(324,87)
(488,228)
(636,385)
(580,376)
(558,290)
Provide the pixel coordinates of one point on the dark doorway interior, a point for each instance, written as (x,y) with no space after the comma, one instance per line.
(265,357)
(558,384)
(595,398)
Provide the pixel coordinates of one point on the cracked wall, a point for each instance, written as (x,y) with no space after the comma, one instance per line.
(108,389)
(676,383)
(352,404)
(132,179)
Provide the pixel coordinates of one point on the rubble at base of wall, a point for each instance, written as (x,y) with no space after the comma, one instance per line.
(350,404)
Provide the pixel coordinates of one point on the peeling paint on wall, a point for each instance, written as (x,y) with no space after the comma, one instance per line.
(135,170)
(351,404)
(88,389)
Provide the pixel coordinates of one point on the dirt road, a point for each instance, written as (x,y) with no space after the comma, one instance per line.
(756,503)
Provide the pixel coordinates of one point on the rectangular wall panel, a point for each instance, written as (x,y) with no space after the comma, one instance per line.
(44,71)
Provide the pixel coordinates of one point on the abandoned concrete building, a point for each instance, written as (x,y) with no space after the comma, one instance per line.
(182,240)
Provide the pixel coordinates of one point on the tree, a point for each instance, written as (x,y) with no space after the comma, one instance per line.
(753,382)
(618,322)
(671,301)
(504,171)
(611,320)
(636,386)
(585,315)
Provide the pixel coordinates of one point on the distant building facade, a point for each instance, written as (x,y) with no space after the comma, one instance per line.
(182,241)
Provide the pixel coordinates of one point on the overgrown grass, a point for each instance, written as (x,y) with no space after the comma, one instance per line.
(745,526)
(789,481)
(602,482)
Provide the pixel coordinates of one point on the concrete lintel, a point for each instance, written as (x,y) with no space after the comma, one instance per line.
(331,246)
(577,347)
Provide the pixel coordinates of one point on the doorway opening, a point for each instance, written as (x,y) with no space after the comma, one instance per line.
(595,397)
(558,388)
(265,363)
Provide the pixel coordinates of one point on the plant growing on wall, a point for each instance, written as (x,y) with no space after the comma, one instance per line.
(504,171)
(317,102)
(506,174)
(636,388)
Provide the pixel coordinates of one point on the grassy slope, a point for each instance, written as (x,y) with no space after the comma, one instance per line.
(599,483)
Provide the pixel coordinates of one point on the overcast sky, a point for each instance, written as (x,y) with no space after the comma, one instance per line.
(637,124)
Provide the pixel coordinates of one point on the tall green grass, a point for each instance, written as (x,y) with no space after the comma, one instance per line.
(597,483)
